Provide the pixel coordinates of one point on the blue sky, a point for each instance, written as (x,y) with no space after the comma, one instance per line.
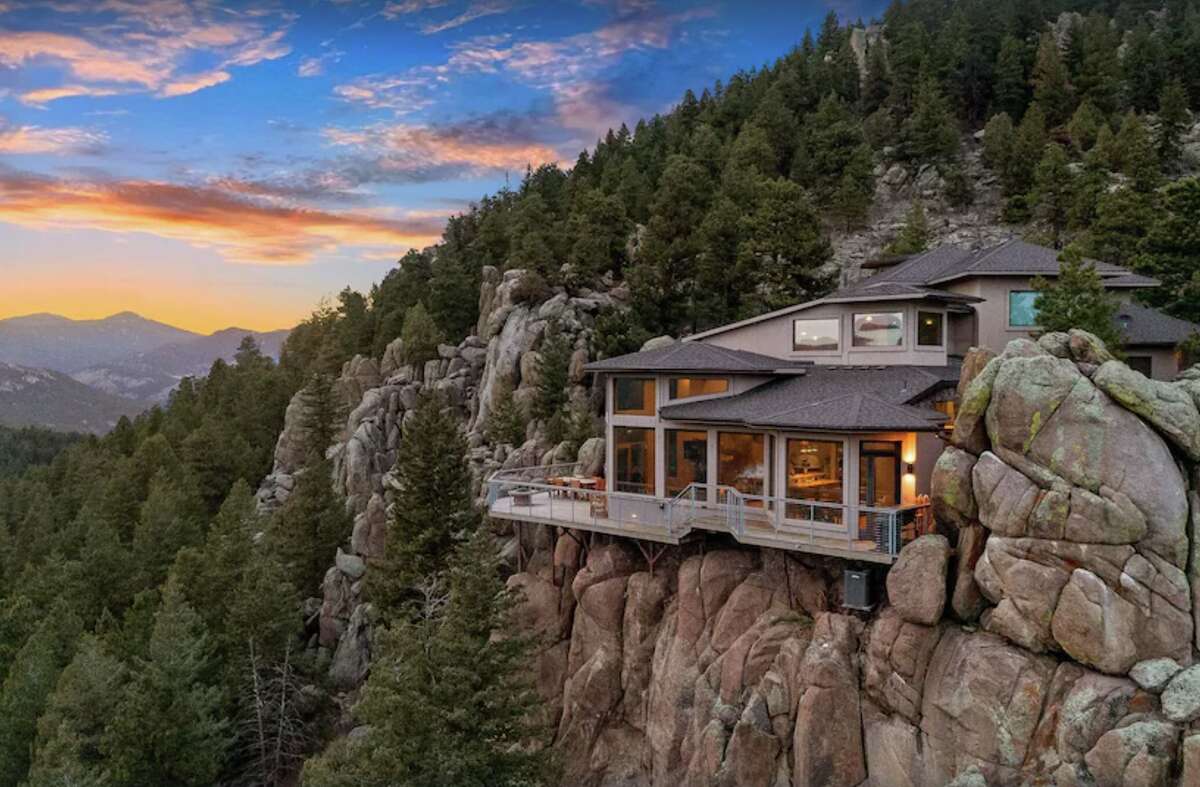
(215,163)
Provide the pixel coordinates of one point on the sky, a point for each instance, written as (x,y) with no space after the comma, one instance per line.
(214,164)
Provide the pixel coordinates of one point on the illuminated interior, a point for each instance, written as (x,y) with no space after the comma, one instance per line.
(687,460)
(742,463)
(633,449)
(689,387)
(814,472)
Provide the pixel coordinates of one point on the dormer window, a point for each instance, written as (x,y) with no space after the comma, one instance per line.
(691,387)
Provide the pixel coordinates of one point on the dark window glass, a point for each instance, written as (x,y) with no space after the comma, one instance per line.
(634,396)
(1140,363)
(929,329)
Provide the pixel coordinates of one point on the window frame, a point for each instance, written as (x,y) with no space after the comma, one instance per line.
(1008,313)
(941,316)
(650,482)
(650,408)
(854,346)
(837,338)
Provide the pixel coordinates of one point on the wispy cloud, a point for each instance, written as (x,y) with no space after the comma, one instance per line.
(396,9)
(491,143)
(240,228)
(120,46)
(403,94)
(315,66)
(15,140)
(476,10)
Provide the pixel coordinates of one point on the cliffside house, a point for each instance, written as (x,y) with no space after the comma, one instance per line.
(814,427)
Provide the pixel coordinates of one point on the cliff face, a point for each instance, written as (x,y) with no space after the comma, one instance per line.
(1047,637)
(1052,646)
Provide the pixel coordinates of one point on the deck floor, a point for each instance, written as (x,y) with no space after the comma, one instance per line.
(636,519)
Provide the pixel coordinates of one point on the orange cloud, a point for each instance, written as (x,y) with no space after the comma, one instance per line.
(35,139)
(192,83)
(241,229)
(484,147)
(143,45)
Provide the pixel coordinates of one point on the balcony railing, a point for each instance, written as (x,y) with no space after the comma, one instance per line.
(527,494)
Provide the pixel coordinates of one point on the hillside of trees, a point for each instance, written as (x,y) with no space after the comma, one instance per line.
(152,622)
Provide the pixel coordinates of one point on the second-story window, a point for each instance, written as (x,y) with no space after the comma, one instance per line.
(1021,310)
(929,329)
(879,329)
(816,335)
(688,387)
(633,396)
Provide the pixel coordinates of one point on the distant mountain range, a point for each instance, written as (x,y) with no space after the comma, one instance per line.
(47,341)
(41,397)
(83,375)
(153,374)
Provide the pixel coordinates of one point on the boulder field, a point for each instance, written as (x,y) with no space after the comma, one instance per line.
(1046,635)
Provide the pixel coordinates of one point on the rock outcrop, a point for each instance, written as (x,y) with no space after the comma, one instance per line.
(1044,635)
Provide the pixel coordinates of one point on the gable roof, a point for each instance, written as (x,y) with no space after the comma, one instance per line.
(696,357)
(1145,326)
(831,398)
(919,277)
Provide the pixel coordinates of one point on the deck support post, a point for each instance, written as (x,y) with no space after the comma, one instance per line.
(651,554)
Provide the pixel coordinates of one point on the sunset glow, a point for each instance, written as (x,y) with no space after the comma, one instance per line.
(213,164)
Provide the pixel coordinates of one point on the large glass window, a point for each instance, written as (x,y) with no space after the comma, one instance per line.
(687,387)
(814,472)
(633,396)
(879,329)
(1021,311)
(816,335)
(687,460)
(929,329)
(634,455)
(742,463)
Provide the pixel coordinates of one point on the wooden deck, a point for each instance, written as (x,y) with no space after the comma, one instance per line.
(646,519)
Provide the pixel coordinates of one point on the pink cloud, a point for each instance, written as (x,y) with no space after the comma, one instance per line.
(16,140)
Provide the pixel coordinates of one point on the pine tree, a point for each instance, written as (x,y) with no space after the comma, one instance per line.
(784,246)
(448,700)
(419,338)
(506,422)
(1084,126)
(1139,160)
(930,134)
(553,368)
(999,137)
(1051,83)
(310,526)
(1171,249)
(168,727)
(71,731)
(1123,217)
(170,519)
(28,687)
(1077,299)
(1053,191)
(1010,93)
(434,507)
(1173,121)
(914,235)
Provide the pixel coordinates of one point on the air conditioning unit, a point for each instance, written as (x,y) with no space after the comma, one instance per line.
(856,590)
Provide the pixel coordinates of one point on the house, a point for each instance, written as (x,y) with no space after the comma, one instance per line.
(814,427)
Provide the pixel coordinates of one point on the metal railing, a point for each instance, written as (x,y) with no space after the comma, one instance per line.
(526,493)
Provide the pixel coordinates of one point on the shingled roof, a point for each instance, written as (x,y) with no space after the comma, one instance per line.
(696,358)
(1145,326)
(831,398)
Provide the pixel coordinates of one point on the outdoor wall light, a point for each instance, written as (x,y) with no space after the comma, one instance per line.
(908,468)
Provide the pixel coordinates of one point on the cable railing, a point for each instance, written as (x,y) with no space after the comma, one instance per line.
(526,493)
